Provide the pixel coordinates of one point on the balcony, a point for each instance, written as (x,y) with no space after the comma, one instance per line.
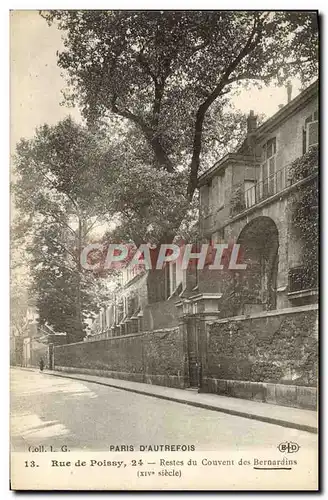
(252,193)
(243,199)
(300,169)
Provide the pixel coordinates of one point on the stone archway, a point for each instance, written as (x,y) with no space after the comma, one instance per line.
(257,285)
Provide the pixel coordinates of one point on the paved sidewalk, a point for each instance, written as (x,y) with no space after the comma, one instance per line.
(294,418)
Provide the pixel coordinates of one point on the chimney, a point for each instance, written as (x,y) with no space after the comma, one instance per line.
(251,122)
(289,92)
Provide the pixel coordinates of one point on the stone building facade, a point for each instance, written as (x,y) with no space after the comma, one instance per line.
(250,332)
(249,198)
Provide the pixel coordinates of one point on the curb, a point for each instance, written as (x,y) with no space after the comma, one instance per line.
(26,368)
(205,406)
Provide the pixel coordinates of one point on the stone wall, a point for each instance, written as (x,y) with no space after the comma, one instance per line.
(160,315)
(153,357)
(272,358)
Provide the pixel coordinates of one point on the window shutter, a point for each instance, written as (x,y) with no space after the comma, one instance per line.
(272,180)
(304,141)
(312,129)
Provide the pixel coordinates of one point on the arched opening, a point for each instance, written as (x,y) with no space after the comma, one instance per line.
(257,285)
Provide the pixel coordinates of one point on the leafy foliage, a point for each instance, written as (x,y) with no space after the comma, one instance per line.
(305,216)
(304,166)
(165,71)
(148,203)
(58,173)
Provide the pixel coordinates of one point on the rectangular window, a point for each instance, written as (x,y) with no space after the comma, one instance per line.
(311,135)
(174,276)
(133,305)
(270,148)
(271,174)
(167,283)
(250,198)
(220,191)
(268,169)
(311,131)
(216,193)
(205,199)
(120,310)
(211,195)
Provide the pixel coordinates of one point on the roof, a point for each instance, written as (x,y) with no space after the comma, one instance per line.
(294,105)
(222,164)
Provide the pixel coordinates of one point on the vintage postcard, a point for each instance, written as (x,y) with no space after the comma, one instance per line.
(164,250)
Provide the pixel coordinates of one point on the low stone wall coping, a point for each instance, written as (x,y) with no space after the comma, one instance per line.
(129,335)
(265,314)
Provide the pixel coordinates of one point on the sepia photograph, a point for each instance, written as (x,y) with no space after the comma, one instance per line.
(164,250)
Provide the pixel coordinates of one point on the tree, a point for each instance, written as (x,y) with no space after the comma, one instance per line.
(67,296)
(58,173)
(19,283)
(168,72)
(149,204)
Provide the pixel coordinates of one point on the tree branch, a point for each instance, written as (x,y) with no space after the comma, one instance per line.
(56,242)
(159,83)
(153,139)
(149,133)
(53,185)
(125,113)
(200,115)
(60,221)
(145,65)
(251,76)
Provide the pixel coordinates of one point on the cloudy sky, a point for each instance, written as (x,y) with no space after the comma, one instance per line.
(36,81)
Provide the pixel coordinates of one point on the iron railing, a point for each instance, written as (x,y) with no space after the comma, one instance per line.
(299,279)
(243,199)
(263,189)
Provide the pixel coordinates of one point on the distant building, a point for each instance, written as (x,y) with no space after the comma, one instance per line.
(140,305)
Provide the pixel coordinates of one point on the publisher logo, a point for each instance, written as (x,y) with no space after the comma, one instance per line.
(288,447)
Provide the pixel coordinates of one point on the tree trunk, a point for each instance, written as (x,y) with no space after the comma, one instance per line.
(79,322)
